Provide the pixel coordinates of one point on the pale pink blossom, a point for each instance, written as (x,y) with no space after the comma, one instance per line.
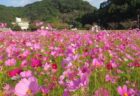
(27,87)
(10,62)
(26,74)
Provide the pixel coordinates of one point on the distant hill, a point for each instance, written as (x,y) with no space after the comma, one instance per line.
(67,11)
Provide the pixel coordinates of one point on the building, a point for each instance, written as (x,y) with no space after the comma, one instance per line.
(22,23)
(95,28)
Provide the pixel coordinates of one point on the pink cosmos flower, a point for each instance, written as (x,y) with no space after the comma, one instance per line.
(1,58)
(61,82)
(110,79)
(102,92)
(67,63)
(27,87)
(44,90)
(3,25)
(26,53)
(84,80)
(23,63)
(73,85)
(66,93)
(29,44)
(129,56)
(111,65)
(43,33)
(47,66)
(123,91)
(26,74)
(10,62)
(36,46)
(97,63)
(12,50)
(134,64)
(8,90)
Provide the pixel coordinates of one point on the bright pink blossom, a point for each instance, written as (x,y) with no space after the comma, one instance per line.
(36,63)
(14,72)
(123,91)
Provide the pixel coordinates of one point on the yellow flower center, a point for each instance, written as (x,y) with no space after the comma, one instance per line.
(125,94)
(29,92)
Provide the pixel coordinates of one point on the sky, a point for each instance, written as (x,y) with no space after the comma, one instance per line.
(16,3)
(95,3)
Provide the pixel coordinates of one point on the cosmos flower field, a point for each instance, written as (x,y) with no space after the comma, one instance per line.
(64,63)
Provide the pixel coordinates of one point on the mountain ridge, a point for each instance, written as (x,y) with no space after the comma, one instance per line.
(48,10)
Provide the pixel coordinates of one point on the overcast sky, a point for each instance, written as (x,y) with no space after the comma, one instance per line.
(16,3)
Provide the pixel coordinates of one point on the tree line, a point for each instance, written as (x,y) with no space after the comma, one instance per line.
(115,14)
(112,14)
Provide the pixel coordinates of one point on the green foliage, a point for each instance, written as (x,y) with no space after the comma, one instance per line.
(33,27)
(60,25)
(16,28)
(87,26)
(122,25)
(112,25)
(128,24)
(120,11)
(114,14)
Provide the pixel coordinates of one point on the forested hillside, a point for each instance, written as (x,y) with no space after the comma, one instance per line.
(115,14)
(67,11)
(112,14)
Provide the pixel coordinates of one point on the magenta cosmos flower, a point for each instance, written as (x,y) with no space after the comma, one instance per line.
(27,87)
(36,62)
(14,72)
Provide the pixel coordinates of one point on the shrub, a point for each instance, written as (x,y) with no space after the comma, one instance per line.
(60,25)
(113,25)
(33,27)
(128,24)
(87,26)
(16,28)
(123,25)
